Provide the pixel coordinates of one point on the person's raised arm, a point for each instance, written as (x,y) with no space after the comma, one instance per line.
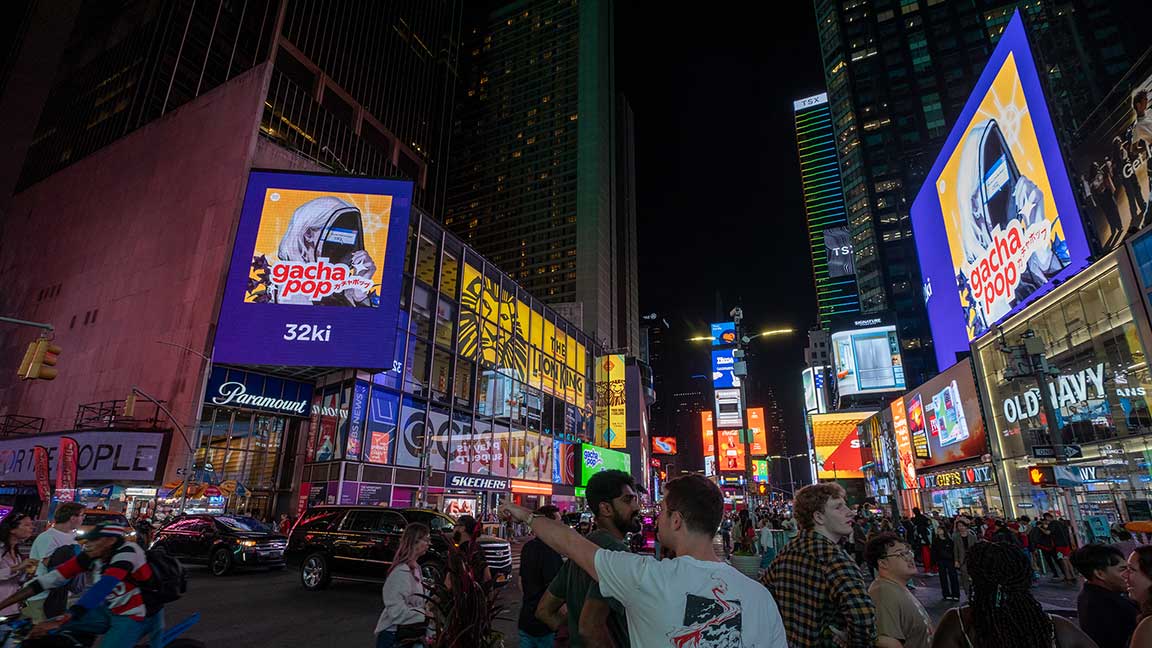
(559,536)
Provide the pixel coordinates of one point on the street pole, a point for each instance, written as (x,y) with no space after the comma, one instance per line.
(740,371)
(188,463)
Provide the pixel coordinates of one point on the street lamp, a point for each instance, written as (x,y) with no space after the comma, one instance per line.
(791,479)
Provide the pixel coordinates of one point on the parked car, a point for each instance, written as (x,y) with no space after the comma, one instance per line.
(222,542)
(359,542)
(94,516)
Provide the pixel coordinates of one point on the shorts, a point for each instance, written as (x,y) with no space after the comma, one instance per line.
(1063,550)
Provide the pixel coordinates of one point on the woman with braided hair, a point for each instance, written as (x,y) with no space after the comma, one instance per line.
(1001,612)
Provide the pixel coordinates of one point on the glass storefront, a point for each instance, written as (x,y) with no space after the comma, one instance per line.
(1092,330)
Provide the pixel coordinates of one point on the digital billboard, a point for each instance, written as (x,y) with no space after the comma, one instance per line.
(729,412)
(315,272)
(708,435)
(758,438)
(1110,165)
(723,333)
(840,452)
(838,243)
(722,365)
(903,444)
(731,450)
(944,419)
(664,445)
(814,398)
(996,222)
(594,459)
(867,358)
(611,402)
(760,470)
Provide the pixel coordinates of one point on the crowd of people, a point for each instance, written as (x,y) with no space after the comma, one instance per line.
(844,578)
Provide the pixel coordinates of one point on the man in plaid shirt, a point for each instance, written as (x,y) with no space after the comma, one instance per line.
(817,586)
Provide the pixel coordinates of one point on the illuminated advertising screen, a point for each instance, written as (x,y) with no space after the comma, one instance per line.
(760,470)
(723,333)
(840,452)
(594,459)
(722,364)
(1111,163)
(758,440)
(731,450)
(611,402)
(315,272)
(903,444)
(708,434)
(867,358)
(944,419)
(729,412)
(814,399)
(838,243)
(664,445)
(996,222)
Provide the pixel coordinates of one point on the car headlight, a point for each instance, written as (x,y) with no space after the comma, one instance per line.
(247,543)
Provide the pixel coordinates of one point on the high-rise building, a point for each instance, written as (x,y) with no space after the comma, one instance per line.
(828,237)
(897,75)
(540,182)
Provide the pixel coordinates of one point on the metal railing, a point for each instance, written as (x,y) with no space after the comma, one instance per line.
(103,415)
(16,425)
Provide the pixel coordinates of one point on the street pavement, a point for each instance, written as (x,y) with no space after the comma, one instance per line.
(265,609)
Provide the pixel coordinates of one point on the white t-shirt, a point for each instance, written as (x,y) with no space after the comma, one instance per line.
(688,602)
(44,546)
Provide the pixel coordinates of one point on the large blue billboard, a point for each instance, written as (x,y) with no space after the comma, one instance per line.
(722,365)
(723,333)
(996,223)
(315,272)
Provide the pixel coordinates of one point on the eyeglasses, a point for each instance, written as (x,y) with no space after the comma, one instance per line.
(907,553)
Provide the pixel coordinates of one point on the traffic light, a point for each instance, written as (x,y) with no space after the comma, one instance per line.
(40,361)
(763,489)
(1042,476)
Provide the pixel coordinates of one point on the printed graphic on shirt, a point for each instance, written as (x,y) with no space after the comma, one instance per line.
(709,622)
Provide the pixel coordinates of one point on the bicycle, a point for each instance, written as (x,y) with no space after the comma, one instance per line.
(14,632)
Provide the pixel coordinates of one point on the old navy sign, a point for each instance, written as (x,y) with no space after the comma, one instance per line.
(477,482)
(970,476)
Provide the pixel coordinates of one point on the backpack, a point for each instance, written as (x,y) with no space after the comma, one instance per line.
(169,580)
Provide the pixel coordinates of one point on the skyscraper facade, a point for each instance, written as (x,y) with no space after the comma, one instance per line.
(828,237)
(540,183)
(897,74)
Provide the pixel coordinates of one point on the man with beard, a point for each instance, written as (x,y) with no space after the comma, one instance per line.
(594,620)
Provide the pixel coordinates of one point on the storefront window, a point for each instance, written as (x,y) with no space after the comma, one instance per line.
(416,371)
(462,386)
(445,323)
(422,312)
(441,375)
(426,261)
(450,274)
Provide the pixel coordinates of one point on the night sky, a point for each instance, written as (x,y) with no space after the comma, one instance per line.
(718,187)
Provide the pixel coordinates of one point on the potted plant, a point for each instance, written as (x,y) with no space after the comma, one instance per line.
(462,610)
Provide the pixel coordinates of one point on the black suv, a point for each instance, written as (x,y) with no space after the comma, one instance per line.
(359,542)
(223,542)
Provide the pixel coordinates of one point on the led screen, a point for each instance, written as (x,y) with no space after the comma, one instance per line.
(868,360)
(944,420)
(840,452)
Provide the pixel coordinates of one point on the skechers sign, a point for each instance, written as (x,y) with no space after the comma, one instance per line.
(315,272)
(970,476)
(456,480)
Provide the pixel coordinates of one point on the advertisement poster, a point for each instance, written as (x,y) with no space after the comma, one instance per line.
(381,426)
(758,442)
(840,453)
(723,333)
(731,450)
(610,402)
(594,459)
(564,463)
(664,445)
(813,381)
(729,412)
(43,478)
(722,364)
(838,243)
(315,271)
(868,360)
(903,444)
(66,469)
(760,470)
(457,506)
(996,221)
(708,435)
(331,416)
(944,418)
(356,422)
(1111,164)
(372,494)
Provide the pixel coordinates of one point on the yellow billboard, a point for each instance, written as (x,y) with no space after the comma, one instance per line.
(840,453)
(504,332)
(611,410)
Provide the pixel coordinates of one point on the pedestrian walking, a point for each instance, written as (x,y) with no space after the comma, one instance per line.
(15,569)
(65,520)
(819,588)
(464,534)
(284,526)
(1105,612)
(1001,612)
(922,539)
(405,618)
(726,535)
(944,558)
(594,619)
(693,599)
(1061,546)
(963,539)
(539,564)
(899,615)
